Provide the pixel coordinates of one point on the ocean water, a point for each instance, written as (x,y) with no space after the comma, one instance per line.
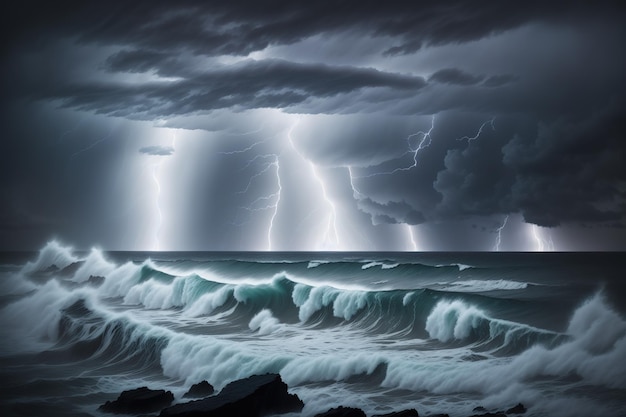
(440,332)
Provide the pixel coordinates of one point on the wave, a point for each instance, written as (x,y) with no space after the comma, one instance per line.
(593,350)
(443,341)
(52,257)
(475,285)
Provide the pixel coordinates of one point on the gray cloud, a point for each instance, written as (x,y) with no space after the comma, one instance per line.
(550,73)
(251,84)
(455,76)
(157,150)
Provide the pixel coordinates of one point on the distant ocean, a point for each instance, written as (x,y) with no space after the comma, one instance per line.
(439,332)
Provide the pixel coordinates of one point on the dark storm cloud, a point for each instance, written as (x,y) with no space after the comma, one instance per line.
(564,172)
(157,150)
(247,85)
(455,76)
(240,27)
(554,85)
(392,212)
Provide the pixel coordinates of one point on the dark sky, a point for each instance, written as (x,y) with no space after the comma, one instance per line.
(340,125)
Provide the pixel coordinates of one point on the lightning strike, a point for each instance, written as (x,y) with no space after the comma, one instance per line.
(412,239)
(238,151)
(480,131)
(331,236)
(496,246)
(423,143)
(278,193)
(265,202)
(156,178)
(159,223)
(92,145)
(543,244)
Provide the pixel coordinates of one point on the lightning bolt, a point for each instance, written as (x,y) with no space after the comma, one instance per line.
(543,244)
(93,144)
(496,246)
(412,238)
(157,184)
(156,174)
(331,236)
(254,205)
(423,143)
(238,151)
(265,202)
(480,130)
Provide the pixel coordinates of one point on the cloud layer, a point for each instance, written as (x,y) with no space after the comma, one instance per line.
(442,112)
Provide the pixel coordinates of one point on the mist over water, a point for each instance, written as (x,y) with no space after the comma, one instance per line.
(440,332)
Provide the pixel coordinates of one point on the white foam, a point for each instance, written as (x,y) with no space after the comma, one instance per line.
(265,322)
(381,264)
(53,254)
(475,285)
(453,320)
(315,264)
(94,265)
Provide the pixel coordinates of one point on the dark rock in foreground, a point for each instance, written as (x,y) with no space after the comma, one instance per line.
(140,400)
(342,412)
(200,390)
(497,414)
(255,396)
(518,409)
(406,413)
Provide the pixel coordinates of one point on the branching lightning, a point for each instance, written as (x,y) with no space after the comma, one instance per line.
(265,202)
(480,130)
(269,201)
(496,246)
(424,142)
(331,236)
(543,244)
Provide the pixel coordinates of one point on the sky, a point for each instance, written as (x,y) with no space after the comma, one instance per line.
(339,125)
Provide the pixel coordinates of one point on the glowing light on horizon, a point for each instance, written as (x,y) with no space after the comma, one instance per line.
(496,246)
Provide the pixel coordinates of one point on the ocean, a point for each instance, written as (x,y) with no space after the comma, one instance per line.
(438,332)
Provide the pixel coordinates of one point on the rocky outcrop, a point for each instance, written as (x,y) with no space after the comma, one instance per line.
(342,412)
(255,396)
(518,409)
(405,413)
(200,390)
(140,400)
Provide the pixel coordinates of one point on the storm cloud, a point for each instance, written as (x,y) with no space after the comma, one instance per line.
(345,122)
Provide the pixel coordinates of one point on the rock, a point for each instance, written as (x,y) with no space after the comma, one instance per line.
(140,400)
(496,414)
(255,396)
(439,415)
(405,413)
(342,412)
(200,390)
(518,409)
(479,409)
